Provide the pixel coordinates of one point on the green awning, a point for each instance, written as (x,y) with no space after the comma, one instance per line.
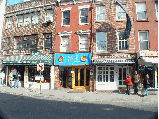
(28,60)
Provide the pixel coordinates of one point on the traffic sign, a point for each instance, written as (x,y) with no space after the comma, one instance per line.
(40,67)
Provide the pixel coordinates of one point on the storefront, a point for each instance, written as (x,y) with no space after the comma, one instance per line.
(148,64)
(27,67)
(111,73)
(73,70)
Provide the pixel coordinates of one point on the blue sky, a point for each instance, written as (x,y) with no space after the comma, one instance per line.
(13,2)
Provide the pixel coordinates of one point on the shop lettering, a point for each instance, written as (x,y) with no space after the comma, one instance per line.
(72,58)
(113,61)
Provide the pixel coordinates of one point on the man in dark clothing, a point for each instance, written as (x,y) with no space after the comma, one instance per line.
(145,84)
(136,81)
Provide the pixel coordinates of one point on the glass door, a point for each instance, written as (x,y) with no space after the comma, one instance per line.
(122,75)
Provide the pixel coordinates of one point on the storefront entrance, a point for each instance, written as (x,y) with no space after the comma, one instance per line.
(80,78)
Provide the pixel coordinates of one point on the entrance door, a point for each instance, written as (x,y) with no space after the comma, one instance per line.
(123,72)
(80,80)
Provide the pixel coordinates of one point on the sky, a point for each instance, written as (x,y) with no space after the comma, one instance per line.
(2,9)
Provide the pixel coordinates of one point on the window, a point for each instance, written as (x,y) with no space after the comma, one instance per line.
(120,13)
(123,43)
(83,43)
(49,16)
(47,41)
(143,40)
(83,15)
(100,13)
(20,21)
(64,46)
(66,17)
(101,41)
(156,10)
(27,19)
(6,46)
(141,11)
(35,17)
(33,44)
(105,74)
(8,22)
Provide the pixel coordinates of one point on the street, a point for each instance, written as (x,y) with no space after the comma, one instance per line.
(23,107)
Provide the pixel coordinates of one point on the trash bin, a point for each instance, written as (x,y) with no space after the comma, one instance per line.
(15,83)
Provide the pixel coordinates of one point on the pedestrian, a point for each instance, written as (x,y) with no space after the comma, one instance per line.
(3,77)
(130,83)
(136,81)
(127,85)
(11,78)
(145,85)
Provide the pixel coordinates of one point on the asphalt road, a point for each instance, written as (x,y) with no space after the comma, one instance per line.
(22,107)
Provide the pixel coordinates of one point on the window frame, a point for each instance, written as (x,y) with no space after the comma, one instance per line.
(122,40)
(6,45)
(136,4)
(18,23)
(156,7)
(28,20)
(8,20)
(117,6)
(49,13)
(61,43)
(139,41)
(62,24)
(36,15)
(102,41)
(84,35)
(100,13)
(47,36)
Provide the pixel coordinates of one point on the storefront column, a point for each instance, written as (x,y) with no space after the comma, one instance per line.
(57,80)
(26,84)
(7,75)
(52,77)
(91,78)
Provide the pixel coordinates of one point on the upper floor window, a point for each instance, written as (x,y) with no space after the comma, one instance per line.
(8,22)
(100,13)
(35,17)
(141,11)
(157,10)
(143,40)
(66,17)
(83,43)
(47,41)
(19,20)
(120,13)
(83,16)
(64,45)
(5,45)
(123,43)
(49,16)
(27,19)
(101,41)
(33,44)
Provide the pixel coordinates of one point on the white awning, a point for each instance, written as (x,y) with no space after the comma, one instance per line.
(148,60)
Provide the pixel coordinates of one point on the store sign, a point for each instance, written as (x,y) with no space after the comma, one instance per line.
(114,61)
(147,53)
(73,59)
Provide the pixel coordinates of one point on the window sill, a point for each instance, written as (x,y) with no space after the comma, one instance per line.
(142,20)
(120,20)
(83,24)
(65,25)
(100,21)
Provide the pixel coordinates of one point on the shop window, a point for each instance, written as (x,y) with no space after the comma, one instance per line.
(123,43)
(105,74)
(83,15)
(87,76)
(47,41)
(141,11)
(156,10)
(64,46)
(5,45)
(49,16)
(66,17)
(100,13)
(143,40)
(120,13)
(8,22)
(27,19)
(19,20)
(83,43)
(101,41)
(35,17)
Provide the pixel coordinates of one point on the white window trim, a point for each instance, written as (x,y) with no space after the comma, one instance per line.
(35,14)
(106,43)
(82,7)
(62,17)
(144,40)
(64,9)
(96,14)
(156,10)
(124,40)
(24,24)
(80,39)
(65,33)
(137,11)
(51,17)
(19,22)
(8,21)
(61,42)
(117,14)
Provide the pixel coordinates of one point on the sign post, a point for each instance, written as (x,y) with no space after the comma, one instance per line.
(40,67)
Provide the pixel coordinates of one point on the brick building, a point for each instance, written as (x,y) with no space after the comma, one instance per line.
(146,38)
(28,39)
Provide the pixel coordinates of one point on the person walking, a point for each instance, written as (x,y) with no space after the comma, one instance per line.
(136,81)
(11,78)
(145,85)
(128,84)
